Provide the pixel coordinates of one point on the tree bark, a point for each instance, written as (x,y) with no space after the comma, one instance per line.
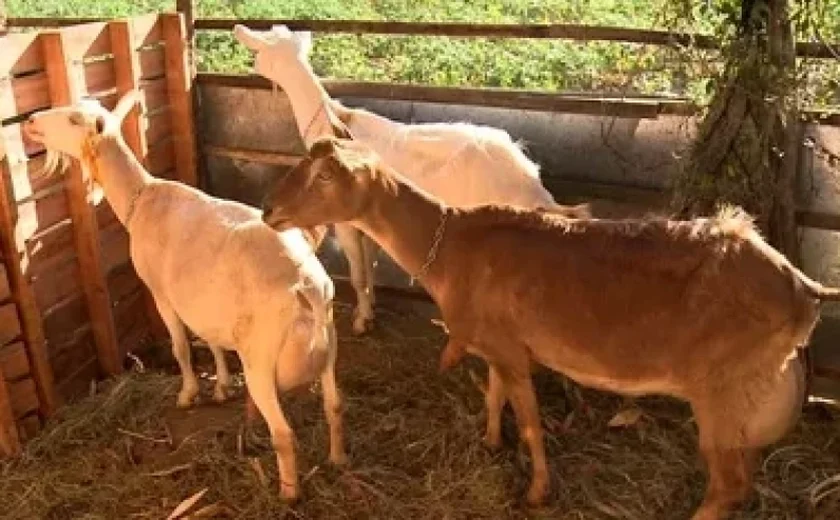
(745,152)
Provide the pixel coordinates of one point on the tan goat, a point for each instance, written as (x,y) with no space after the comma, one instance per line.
(701,310)
(215,267)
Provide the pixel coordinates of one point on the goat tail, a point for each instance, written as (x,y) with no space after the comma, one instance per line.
(815,289)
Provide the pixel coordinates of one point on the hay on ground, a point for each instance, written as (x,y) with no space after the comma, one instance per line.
(415,452)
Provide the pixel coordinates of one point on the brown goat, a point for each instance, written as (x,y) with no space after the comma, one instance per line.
(701,310)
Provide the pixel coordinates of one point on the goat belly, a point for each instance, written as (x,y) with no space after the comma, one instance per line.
(628,312)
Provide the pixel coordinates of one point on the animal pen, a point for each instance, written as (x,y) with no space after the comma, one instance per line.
(72,306)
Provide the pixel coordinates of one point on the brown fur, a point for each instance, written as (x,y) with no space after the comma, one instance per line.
(702,310)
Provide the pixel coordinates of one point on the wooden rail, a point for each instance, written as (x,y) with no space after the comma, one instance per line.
(573,32)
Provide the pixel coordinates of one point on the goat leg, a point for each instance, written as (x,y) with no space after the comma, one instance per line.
(262,386)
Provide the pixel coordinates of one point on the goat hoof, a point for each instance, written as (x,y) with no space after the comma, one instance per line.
(536,495)
(289,494)
(492,443)
(339,459)
(220,394)
(185,400)
(362,325)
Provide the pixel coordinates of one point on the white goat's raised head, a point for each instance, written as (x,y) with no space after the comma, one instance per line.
(73,131)
(68,130)
(273,47)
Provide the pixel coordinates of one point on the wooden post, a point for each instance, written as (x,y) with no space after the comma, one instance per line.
(64,91)
(187,9)
(23,294)
(179,79)
(127,71)
(9,439)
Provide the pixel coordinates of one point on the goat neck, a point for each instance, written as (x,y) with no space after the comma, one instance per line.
(114,166)
(309,100)
(404,221)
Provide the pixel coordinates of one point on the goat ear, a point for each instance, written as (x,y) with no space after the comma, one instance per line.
(125,104)
(303,39)
(352,157)
(248,38)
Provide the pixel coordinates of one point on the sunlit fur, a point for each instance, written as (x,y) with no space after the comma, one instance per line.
(212,266)
(463,164)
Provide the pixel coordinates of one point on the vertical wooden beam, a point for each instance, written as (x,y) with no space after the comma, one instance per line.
(187,9)
(179,81)
(64,90)
(9,439)
(23,294)
(127,72)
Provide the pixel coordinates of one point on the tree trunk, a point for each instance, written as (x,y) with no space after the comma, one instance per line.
(746,149)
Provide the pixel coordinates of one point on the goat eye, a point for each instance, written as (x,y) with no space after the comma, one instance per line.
(76,119)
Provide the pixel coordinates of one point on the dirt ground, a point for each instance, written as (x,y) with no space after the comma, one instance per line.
(414,440)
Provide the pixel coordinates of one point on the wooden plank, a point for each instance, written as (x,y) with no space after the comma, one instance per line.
(5,288)
(50,247)
(9,437)
(152,62)
(24,397)
(22,289)
(146,30)
(48,22)
(247,154)
(115,246)
(81,42)
(39,214)
(574,32)
(10,328)
(818,220)
(57,283)
(13,361)
(123,282)
(161,157)
(158,127)
(69,358)
(29,93)
(180,87)
(127,67)
(637,108)
(100,77)
(153,94)
(65,317)
(28,426)
(17,140)
(30,182)
(21,54)
(58,50)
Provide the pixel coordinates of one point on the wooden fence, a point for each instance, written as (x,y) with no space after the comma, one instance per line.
(72,305)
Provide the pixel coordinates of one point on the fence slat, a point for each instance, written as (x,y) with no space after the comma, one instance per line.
(9,440)
(22,290)
(180,84)
(64,92)
(129,68)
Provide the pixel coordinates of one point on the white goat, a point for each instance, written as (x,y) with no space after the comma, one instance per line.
(213,266)
(459,163)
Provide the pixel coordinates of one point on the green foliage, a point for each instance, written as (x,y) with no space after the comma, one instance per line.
(533,64)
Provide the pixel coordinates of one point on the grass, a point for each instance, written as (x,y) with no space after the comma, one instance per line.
(413,438)
(529,64)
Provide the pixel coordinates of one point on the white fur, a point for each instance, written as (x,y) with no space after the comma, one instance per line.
(460,163)
(213,266)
